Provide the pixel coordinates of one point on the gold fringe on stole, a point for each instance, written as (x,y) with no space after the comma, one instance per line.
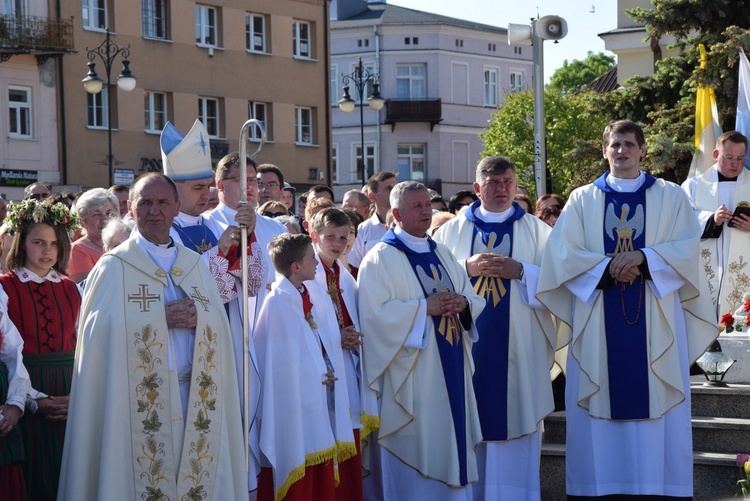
(369,424)
(345,450)
(297,473)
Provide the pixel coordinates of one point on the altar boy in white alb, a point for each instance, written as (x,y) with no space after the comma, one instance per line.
(621,272)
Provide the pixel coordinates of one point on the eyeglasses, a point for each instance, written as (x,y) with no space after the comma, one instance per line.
(733,158)
(38,196)
(273,185)
(270,214)
(250,181)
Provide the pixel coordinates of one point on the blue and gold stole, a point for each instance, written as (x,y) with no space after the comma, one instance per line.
(491,355)
(198,238)
(625,304)
(433,277)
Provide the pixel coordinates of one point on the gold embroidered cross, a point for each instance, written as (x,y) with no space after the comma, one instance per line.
(197,296)
(144,297)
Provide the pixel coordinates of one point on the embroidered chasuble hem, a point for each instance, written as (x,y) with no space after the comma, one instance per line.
(582,401)
(458,486)
(313,459)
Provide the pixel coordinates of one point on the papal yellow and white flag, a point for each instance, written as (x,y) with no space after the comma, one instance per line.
(707,128)
(742,123)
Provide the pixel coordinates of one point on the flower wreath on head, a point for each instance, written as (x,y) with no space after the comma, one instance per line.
(34,211)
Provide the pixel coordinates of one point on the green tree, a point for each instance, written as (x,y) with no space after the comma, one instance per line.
(665,102)
(573,75)
(573,127)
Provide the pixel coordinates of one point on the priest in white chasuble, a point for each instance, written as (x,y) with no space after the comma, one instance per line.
(725,243)
(621,272)
(501,248)
(417,309)
(154,412)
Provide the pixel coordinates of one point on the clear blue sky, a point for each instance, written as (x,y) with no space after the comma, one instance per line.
(583,25)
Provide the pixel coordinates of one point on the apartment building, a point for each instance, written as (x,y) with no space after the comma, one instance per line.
(441,79)
(33,40)
(221,61)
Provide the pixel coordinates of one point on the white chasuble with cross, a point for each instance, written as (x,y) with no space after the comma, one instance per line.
(176,447)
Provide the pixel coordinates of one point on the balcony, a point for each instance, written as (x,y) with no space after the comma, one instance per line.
(38,36)
(413,110)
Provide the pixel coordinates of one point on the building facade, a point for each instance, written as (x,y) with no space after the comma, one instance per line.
(222,61)
(441,78)
(32,43)
(634,56)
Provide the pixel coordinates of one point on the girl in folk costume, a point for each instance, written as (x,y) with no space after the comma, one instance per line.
(42,307)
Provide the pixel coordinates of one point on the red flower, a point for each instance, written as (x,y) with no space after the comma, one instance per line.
(746,306)
(727,320)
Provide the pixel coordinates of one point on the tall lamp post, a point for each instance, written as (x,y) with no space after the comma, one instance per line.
(359,79)
(108,51)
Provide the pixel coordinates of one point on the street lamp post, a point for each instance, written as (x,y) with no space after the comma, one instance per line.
(359,79)
(108,51)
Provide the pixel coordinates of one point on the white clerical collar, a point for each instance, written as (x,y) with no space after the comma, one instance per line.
(495,217)
(626,185)
(26,275)
(416,244)
(154,250)
(222,207)
(186,219)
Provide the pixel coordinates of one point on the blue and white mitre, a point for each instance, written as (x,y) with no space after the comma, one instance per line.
(188,157)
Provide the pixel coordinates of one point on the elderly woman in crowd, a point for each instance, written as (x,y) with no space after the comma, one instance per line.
(95,207)
(116,231)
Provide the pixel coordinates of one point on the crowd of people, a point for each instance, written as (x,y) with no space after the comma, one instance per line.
(393,347)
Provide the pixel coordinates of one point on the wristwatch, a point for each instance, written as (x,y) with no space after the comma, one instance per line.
(520,275)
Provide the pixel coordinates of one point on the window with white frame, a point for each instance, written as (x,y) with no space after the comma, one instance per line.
(155,111)
(206,26)
(259,111)
(96,109)
(368,165)
(490,87)
(208,113)
(19,104)
(335,163)
(411,162)
(334,85)
(255,32)
(15,8)
(411,81)
(154,17)
(94,14)
(302,33)
(366,67)
(516,81)
(303,120)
